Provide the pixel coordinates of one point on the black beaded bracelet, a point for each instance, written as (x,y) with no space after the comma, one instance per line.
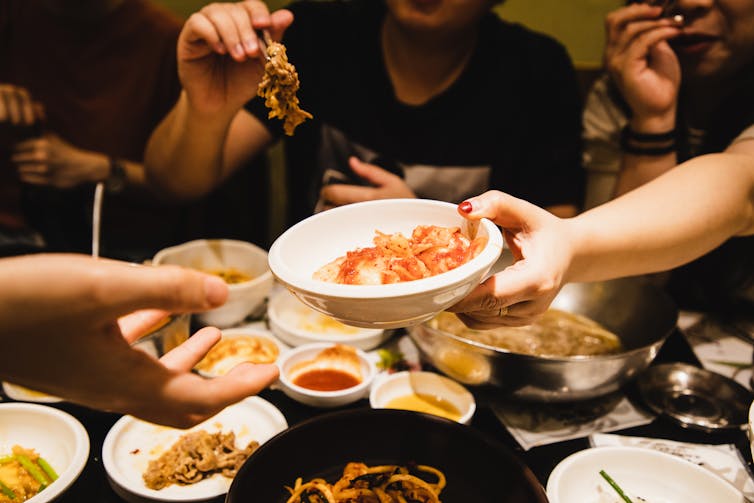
(654,144)
(632,135)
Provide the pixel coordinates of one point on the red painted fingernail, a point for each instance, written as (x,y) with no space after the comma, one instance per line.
(465,207)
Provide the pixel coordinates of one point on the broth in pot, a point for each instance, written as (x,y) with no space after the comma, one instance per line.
(555,334)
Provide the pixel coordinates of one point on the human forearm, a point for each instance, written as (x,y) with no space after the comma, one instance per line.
(184,155)
(675,219)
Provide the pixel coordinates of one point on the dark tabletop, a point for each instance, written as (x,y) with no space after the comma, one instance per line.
(92,485)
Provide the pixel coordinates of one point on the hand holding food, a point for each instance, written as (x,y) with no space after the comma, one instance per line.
(61,327)
(642,64)
(220,62)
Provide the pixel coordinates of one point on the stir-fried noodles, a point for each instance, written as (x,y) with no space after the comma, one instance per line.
(376,484)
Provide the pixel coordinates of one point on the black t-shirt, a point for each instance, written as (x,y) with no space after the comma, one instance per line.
(511,121)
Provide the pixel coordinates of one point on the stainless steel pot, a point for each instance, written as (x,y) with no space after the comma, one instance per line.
(640,313)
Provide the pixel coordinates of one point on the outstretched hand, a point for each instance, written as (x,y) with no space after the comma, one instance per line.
(220,63)
(64,332)
(524,290)
(382,185)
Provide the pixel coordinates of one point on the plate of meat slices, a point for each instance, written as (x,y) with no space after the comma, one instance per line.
(148,462)
(385,264)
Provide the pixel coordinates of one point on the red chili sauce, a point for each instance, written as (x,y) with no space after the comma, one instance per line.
(326,380)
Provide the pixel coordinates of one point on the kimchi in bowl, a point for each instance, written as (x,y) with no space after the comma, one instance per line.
(317,241)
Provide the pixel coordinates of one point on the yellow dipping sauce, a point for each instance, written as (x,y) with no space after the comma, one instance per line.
(430,404)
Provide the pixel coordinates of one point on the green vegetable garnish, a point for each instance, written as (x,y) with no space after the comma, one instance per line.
(7,491)
(49,470)
(33,470)
(615,486)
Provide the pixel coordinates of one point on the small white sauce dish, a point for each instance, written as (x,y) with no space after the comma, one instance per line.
(423,391)
(296,323)
(292,360)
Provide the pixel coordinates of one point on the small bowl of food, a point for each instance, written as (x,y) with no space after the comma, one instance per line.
(242,265)
(296,323)
(239,345)
(325,375)
(43,449)
(389,263)
(426,392)
(166,335)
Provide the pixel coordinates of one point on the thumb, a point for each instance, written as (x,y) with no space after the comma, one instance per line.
(505,210)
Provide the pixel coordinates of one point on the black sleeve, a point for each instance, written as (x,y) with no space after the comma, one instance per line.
(553,174)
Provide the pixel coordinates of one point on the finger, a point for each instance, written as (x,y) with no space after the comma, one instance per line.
(187,355)
(30,145)
(505,210)
(34,179)
(494,322)
(13,106)
(634,30)
(376,175)
(247,44)
(137,324)
(339,194)
(25,105)
(225,26)
(200,31)
(644,42)
(258,13)
(618,20)
(34,157)
(31,167)
(117,288)
(280,20)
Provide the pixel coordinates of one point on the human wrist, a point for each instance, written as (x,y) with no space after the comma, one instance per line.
(117,176)
(652,124)
(655,143)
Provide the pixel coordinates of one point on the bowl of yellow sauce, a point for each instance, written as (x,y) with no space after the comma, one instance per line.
(426,392)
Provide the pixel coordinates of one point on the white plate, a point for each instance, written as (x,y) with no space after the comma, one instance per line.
(131,443)
(655,476)
(55,435)
(23,394)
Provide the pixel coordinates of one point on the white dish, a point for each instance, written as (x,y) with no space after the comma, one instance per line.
(244,298)
(224,365)
(656,476)
(131,443)
(389,387)
(55,435)
(24,394)
(296,323)
(321,238)
(323,399)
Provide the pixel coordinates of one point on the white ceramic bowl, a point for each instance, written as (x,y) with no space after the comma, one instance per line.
(640,472)
(213,254)
(296,323)
(55,435)
(389,387)
(323,399)
(223,365)
(131,443)
(321,238)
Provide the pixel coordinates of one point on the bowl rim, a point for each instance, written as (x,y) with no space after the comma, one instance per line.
(274,317)
(466,415)
(79,457)
(449,279)
(314,347)
(197,243)
(576,358)
(352,414)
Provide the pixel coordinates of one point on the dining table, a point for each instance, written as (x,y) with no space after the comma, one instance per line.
(93,486)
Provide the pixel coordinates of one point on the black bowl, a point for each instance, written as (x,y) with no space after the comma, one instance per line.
(478,468)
